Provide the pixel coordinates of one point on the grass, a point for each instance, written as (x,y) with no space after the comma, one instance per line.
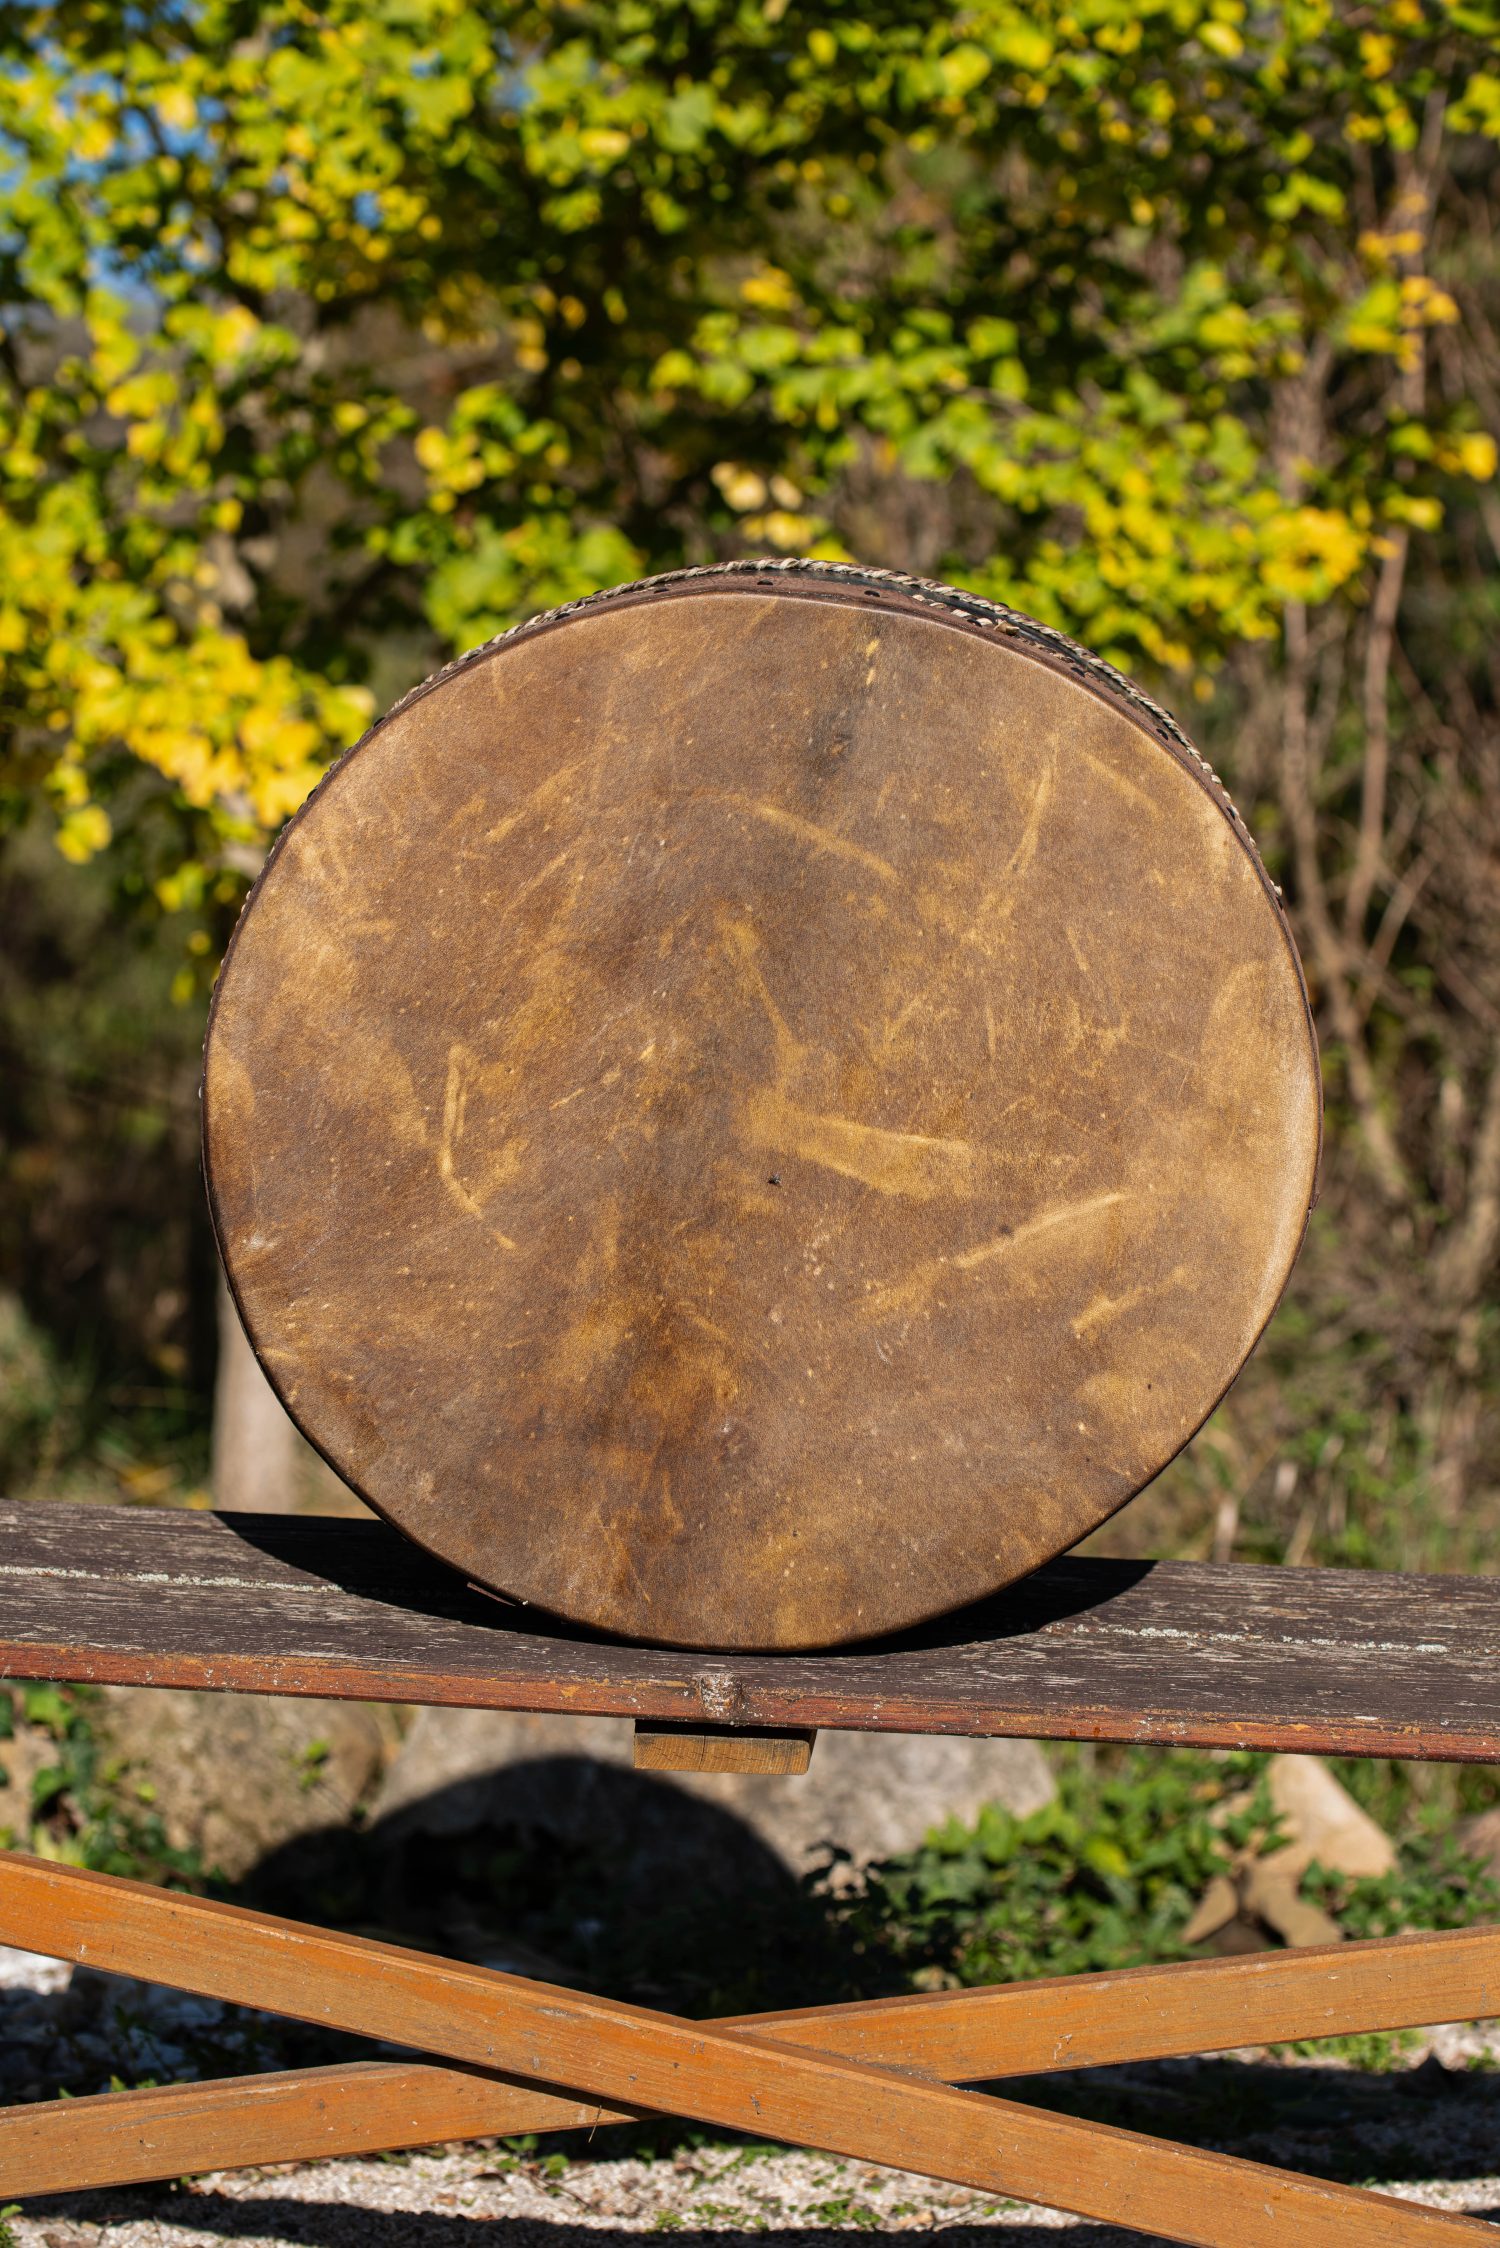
(1378,2052)
(72,1427)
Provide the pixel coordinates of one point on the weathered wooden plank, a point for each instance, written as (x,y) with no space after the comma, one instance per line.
(1011,2029)
(737,2080)
(1303,1659)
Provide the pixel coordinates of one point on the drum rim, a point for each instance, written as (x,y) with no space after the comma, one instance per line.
(798,577)
(852,584)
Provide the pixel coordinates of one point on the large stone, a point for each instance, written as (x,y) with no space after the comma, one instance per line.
(234,1776)
(1480,1837)
(871,1795)
(1325,1825)
(28,1751)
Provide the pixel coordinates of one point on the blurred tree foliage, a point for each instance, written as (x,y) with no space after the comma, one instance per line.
(339,337)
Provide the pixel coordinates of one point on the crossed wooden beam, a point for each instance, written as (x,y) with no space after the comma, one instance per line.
(871,2081)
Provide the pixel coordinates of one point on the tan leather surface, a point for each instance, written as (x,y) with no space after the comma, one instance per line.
(753,1116)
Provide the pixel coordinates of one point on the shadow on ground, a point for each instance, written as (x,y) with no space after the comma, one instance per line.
(337,2225)
(1341,2123)
(669,1900)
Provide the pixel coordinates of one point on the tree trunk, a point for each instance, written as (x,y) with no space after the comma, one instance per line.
(255,1446)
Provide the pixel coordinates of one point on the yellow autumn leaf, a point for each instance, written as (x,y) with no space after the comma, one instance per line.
(94,140)
(770,290)
(1477,455)
(741,487)
(83,833)
(177,108)
(1377,53)
(601,143)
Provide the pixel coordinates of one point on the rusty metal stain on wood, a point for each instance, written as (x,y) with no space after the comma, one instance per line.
(758,1112)
(1338,1662)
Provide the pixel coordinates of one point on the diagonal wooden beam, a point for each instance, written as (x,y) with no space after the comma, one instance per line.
(736,2080)
(289,2115)
(1083,2021)
(1152,2013)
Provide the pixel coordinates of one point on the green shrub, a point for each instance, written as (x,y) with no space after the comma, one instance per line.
(1108,1875)
(80,1815)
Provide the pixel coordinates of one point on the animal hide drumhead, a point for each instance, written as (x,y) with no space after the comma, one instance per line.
(759,1107)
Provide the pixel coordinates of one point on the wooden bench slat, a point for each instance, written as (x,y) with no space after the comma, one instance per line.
(1316,1660)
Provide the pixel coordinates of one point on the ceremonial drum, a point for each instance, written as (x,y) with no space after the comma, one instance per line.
(758,1107)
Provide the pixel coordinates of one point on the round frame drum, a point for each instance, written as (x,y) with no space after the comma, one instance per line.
(755,1109)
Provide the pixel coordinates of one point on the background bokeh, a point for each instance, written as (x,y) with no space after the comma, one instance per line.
(338,338)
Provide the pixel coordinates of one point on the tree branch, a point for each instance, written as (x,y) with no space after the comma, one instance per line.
(1329,955)
(1461,1265)
(1379,641)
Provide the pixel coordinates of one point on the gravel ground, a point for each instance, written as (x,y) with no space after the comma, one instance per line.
(442,2200)
(1427,2129)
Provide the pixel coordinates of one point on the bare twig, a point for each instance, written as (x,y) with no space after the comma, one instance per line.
(1462,1263)
(1392,922)
(1380,636)
(1329,953)
(1413,214)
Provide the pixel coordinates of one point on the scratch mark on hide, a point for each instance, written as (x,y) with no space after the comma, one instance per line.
(1104,1308)
(1118,781)
(913,1164)
(463,1068)
(995,908)
(914,1292)
(808,832)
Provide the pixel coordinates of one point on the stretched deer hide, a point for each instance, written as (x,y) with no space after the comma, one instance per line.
(757,1108)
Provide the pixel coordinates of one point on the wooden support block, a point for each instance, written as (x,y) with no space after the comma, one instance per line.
(667,1747)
